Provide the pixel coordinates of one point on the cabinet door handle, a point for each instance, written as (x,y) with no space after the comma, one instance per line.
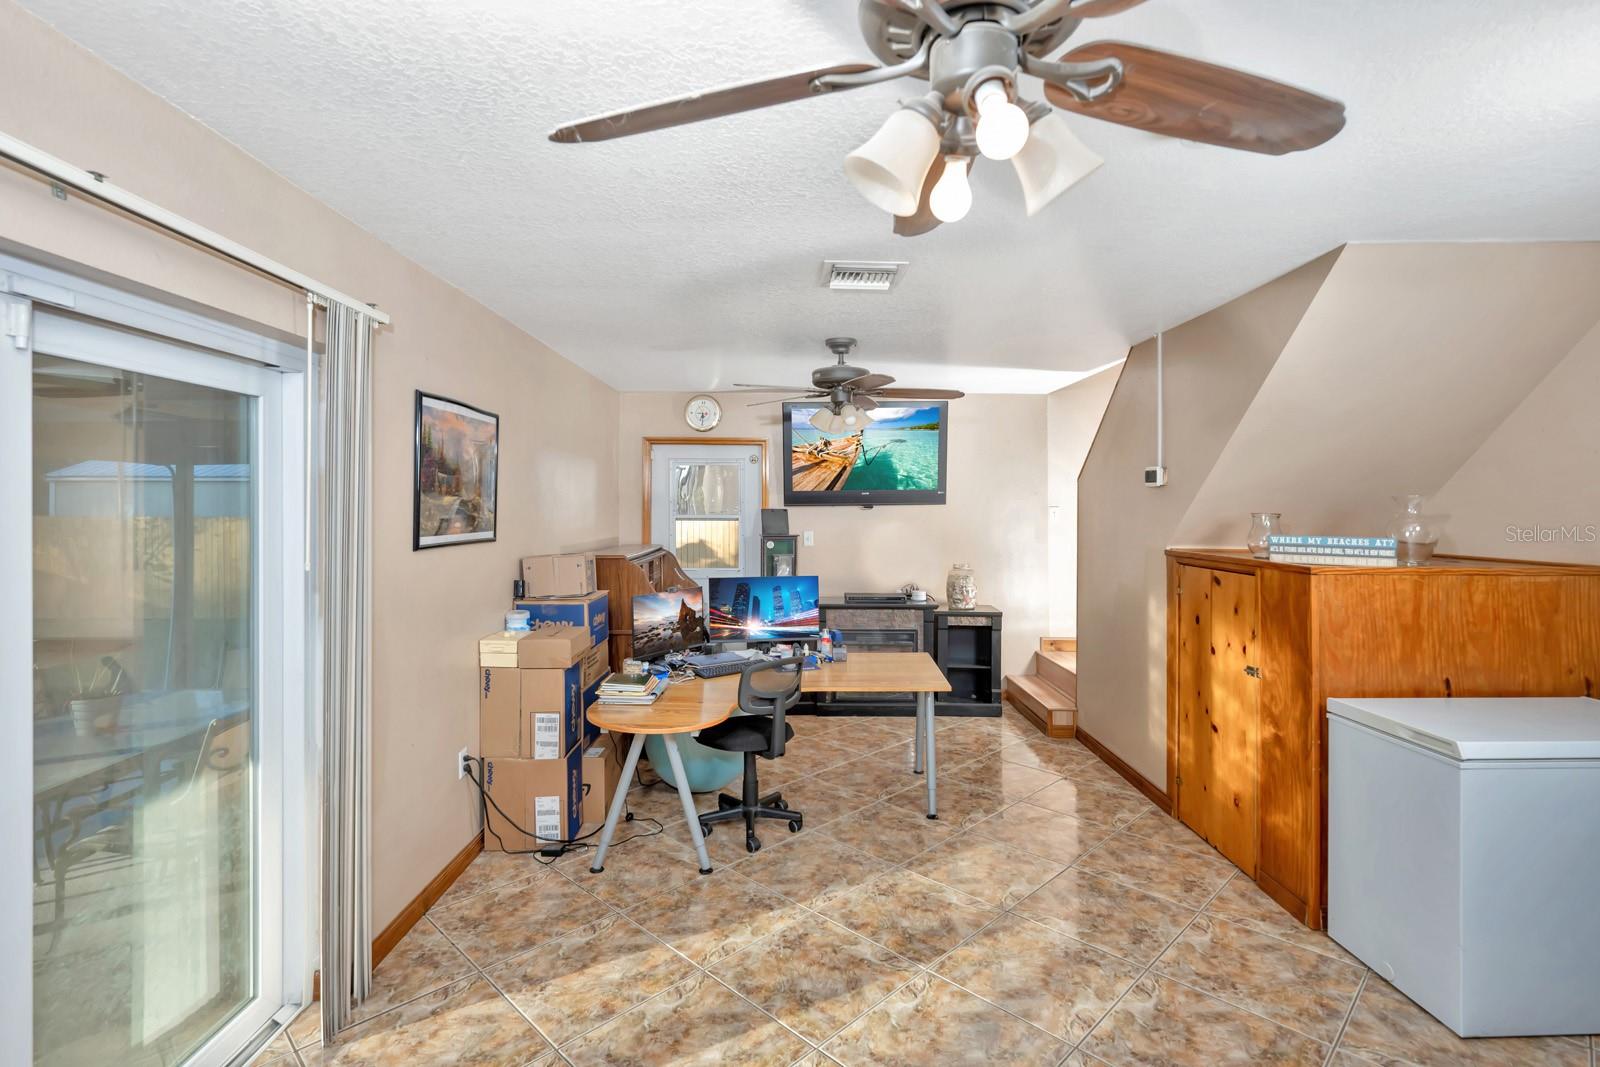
(1254,672)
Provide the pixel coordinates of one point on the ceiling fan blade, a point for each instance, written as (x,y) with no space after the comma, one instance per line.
(863,402)
(777,388)
(918,394)
(868,382)
(923,220)
(780,400)
(1093,9)
(697,107)
(1181,97)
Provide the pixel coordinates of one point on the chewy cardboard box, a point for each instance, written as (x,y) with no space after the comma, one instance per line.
(534,712)
(591,612)
(596,664)
(602,768)
(543,796)
(544,646)
(568,575)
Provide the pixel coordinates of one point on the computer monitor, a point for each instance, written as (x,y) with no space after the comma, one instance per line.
(762,609)
(667,622)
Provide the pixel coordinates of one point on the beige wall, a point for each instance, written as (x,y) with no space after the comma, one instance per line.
(558,443)
(1214,365)
(1538,472)
(1072,415)
(994,520)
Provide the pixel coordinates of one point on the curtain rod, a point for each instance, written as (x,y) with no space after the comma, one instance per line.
(87,183)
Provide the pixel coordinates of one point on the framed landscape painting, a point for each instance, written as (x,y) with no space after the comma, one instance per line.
(458,458)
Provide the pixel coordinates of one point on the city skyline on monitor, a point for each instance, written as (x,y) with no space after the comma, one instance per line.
(762,609)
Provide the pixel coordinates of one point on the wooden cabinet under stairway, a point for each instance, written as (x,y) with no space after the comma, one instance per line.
(1256,648)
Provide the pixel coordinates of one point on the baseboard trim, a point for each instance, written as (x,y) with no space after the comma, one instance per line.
(1135,779)
(412,913)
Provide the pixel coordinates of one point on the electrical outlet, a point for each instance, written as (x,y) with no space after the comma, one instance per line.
(807,540)
(462,758)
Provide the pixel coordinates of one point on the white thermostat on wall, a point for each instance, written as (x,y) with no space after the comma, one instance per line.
(702,413)
(1155,477)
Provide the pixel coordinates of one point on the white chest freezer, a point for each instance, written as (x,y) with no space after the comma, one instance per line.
(1464,856)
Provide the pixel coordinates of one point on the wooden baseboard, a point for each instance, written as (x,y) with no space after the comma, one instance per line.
(1135,779)
(413,912)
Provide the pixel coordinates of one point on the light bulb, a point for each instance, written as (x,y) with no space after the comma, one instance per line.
(951,197)
(851,414)
(1002,126)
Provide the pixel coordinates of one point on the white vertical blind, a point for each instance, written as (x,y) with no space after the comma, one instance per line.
(344,584)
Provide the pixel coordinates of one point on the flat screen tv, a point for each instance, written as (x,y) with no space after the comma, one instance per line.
(762,609)
(896,457)
(667,622)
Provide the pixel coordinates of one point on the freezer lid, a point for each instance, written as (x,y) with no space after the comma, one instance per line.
(1484,728)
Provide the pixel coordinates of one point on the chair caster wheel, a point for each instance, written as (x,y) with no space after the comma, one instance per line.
(780,804)
(794,826)
(752,843)
(705,829)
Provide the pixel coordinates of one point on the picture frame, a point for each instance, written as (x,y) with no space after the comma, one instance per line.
(455,473)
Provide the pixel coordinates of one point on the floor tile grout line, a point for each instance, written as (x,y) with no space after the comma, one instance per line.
(1344,1024)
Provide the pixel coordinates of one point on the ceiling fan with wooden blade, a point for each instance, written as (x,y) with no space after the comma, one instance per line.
(972,53)
(847,390)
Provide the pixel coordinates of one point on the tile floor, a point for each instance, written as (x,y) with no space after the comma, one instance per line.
(1051,916)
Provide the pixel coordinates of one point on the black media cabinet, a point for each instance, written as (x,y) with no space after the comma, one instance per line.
(965,645)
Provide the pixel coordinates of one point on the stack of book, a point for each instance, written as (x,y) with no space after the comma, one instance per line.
(632,688)
(1335,551)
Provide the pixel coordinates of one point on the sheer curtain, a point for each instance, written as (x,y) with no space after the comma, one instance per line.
(344,596)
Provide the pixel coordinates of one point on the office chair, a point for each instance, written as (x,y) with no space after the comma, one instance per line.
(762,732)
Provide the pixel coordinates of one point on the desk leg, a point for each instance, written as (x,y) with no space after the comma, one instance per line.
(618,802)
(922,740)
(926,700)
(688,802)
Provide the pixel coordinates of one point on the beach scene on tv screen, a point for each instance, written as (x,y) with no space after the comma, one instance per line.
(896,449)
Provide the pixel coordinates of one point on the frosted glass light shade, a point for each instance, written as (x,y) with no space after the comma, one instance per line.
(825,421)
(888,169)
(1052,161)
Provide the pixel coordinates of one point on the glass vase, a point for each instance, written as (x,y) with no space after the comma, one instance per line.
(1415,536)
(961,588)
(1263,524)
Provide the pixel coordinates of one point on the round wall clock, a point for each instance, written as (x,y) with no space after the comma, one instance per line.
(702,413)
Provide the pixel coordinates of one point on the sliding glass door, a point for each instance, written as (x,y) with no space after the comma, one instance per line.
(154,495)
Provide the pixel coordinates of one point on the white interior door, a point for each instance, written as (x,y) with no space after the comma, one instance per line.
(706,507)
(152,531)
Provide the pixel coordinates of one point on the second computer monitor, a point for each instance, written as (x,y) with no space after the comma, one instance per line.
(762,609)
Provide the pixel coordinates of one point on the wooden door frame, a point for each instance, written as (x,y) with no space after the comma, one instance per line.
(649,465)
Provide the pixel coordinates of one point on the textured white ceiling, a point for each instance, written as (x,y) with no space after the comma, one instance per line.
(689,258)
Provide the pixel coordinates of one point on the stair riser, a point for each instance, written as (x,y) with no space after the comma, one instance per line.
(1062,723)
(1057,675)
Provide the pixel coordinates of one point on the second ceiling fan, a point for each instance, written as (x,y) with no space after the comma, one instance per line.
(972,52)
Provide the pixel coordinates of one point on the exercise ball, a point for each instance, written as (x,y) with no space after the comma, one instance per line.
(707,768)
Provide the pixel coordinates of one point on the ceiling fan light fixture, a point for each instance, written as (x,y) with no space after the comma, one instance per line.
(1002,129)
(825,421)
(951,197)
(1052,161)
(889,168)
(851,415)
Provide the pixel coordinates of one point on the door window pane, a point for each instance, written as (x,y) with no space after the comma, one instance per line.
(705,489)
(706,544)
(144,858)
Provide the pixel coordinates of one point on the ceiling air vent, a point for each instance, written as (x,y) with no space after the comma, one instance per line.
(861,277)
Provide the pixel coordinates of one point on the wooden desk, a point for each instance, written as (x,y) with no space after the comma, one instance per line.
(702,702)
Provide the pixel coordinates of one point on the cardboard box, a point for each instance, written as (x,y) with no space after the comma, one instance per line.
(546,646)
(591,694)
(533,713)
(602,770)
(596,664)
(591,612)
(563,575)
(543,796)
